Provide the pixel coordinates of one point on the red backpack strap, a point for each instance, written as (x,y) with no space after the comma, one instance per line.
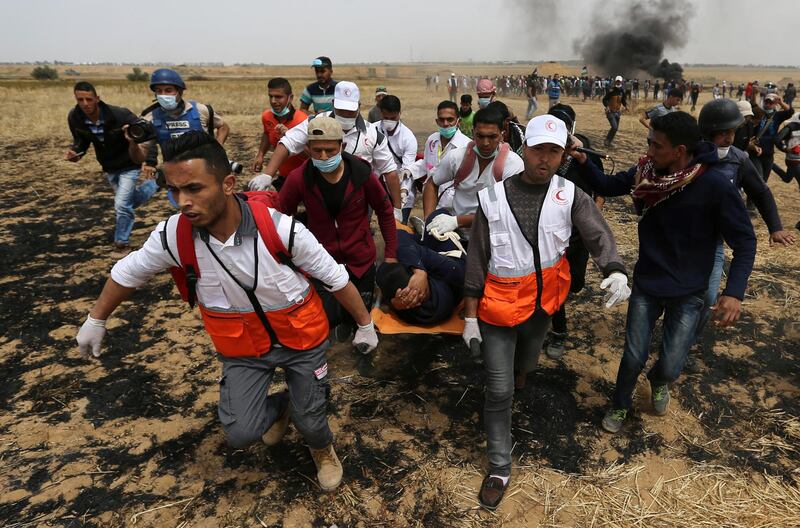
(268,198)
(187,272)
(466,165)
(500,161)
(269,234)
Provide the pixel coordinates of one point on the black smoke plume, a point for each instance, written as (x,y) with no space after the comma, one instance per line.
(632,37)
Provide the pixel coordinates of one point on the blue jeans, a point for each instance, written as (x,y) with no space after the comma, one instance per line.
(613,120)
(713,290)
(533,104)
(681,315)
(128,197)
(505,350)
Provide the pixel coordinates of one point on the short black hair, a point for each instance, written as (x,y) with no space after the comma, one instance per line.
(447,104)
(680,128)
(466,99)
(83,86)
(488,116)
(390,103)
(500,107)
(390,277)
(563,112)
(279,83)
(197,144)
(675,92)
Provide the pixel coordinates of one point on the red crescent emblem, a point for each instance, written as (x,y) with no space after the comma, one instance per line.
(550,125)
(559,197)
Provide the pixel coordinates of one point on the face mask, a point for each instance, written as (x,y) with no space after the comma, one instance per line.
(722,152)
(389,125)
(448,132)
(328,165)
(346,122)
(770,111)
(167,102)
(478,152)
(483,102)
(282,112)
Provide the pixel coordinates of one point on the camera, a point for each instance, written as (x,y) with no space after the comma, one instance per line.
(141,130)
(236,168)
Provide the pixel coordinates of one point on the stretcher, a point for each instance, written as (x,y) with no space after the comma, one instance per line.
(387,322)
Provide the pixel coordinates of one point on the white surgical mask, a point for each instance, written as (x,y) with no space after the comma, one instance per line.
(346,122)
(722,152)
(389,124)
(167,102)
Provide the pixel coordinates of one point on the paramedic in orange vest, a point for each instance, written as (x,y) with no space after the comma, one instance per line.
(260,314)
(276,121)
(518,276)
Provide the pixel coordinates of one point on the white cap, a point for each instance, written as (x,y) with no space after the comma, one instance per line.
(346,96)
(619,78)
(546,129)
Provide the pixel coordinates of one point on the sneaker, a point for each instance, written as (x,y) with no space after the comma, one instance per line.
(329,469)
(659,396)
(555,345)
(417,224)
(278,429)
(613,420)
(491,493)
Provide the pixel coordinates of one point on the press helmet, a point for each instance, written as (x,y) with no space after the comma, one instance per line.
(166,76)
(718,115)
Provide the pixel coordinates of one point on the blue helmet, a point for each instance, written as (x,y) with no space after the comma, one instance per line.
(166,76)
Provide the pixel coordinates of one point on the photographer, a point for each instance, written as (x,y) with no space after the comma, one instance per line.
(93,122)
(171,116)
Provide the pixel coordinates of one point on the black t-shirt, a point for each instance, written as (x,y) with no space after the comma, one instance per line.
(333,193)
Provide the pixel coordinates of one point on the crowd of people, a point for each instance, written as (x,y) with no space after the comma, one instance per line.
(511,215)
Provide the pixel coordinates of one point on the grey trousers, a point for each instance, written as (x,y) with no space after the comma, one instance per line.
(246,411)
(506,349)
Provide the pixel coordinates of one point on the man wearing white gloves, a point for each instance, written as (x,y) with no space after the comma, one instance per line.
(481,163)
(518,276)
(687,203)
(361,139)
(242,262)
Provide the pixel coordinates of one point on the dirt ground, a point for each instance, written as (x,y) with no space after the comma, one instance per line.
(133,439)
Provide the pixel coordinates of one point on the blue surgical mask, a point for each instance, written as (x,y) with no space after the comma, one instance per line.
(167,102)
(448,132)
(478,152)
(282,112)
(328,165)
(483,102)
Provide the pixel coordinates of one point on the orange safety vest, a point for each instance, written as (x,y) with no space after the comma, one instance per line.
(521,277)
(253,333)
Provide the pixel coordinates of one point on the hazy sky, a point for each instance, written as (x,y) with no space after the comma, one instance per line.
(293,32)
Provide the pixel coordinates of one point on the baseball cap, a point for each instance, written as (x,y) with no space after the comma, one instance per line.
(745,108)
(324,127)
(771,97)
(546,129)
(485,86)
(381,90)
(346,96)
(618,78)
(321,62)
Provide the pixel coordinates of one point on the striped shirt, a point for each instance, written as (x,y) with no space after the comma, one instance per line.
(98,129)
(321,98)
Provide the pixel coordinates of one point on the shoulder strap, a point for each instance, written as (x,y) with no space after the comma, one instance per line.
(149,109)
(500,161)
(269,234)
(466,165)
(187,274)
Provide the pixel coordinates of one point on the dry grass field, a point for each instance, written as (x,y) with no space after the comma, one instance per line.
(133,439)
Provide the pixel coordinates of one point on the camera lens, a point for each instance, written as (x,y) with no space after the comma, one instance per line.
(236,167)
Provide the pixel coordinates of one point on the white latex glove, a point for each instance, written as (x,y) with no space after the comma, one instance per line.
(443,224)
(398,214)
(90,337)
(260,182)
(404,174)
(618,290)
(366,339)
(471,330)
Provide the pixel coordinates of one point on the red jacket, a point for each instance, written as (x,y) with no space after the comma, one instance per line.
(347,237)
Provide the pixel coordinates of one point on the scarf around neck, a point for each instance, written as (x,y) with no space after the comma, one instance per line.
(651,188)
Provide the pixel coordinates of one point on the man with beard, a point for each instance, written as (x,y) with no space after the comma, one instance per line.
(613,102)
(686,204)
(517,277)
